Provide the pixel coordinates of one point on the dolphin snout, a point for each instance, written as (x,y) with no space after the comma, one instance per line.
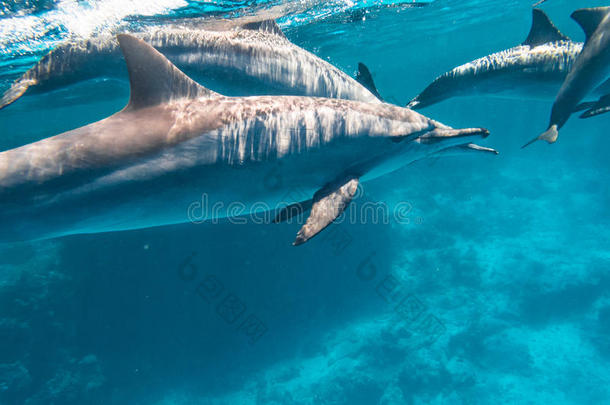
(413,104)
(450,136)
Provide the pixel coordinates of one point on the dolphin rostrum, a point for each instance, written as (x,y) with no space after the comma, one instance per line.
(591,69)
(252,59)
(176,141)
(534,69)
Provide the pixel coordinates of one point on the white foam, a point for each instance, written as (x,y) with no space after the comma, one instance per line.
(24,34)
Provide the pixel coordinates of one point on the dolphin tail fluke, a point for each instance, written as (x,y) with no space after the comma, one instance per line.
(15,92)
(365,78)
(550,135)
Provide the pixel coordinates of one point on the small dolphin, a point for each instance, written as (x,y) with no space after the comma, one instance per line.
(591,69)
(594,108)
(534,69)
(175,140)
(252,59)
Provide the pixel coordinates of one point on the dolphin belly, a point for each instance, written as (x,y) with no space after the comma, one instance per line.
(119,201)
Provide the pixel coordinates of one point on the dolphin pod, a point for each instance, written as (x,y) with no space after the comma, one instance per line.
(325,132)
(546,65)
(591,69)
(534,69)
(176,140)
(249,58)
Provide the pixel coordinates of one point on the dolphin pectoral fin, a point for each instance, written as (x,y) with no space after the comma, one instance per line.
(460,150)
(364,77)
(473,147)
(153,78)
(543,30)
(599,107)
(467,148)
(550,135)
(268,26)
(15,92)
(452,136)
(328,204)
(590,18)
(292,210)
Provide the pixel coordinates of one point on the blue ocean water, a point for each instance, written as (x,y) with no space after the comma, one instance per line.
(501,263)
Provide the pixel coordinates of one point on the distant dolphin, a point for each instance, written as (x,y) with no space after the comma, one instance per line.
(591,69)
(252,59)
(594,108)
(534,69)
(176,140)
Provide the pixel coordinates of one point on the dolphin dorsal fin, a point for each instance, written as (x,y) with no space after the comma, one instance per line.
(590,18)
(268,26)
(365,78)
(153,78)
(543,30)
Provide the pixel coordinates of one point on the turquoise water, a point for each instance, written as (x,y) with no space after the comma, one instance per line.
(502,261)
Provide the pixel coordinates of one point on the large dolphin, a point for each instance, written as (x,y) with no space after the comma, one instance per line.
(176,140)
(535,69)
(591,69)
(254,58)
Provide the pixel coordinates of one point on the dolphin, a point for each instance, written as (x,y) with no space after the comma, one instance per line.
(594,108)
(254,58)
(176,141)
(591,69)
(535,69)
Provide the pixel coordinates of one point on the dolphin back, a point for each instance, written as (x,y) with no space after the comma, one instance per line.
(517,66)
